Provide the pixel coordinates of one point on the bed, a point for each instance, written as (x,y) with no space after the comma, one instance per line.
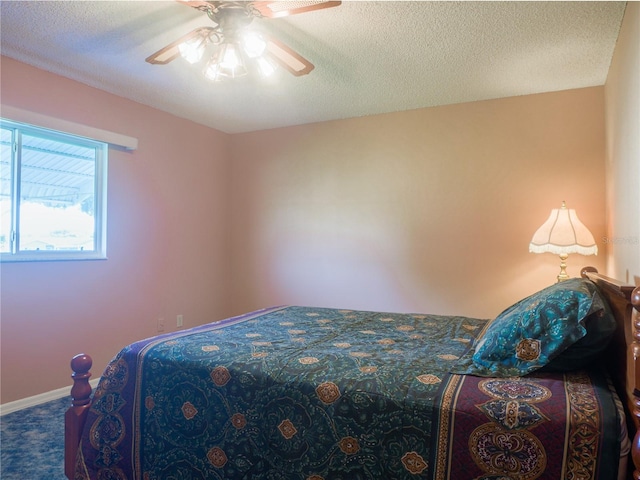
(296,392)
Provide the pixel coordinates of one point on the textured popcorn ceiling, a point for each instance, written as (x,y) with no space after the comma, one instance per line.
(370,57)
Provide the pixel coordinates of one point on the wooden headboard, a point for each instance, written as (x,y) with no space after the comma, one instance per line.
(623,355)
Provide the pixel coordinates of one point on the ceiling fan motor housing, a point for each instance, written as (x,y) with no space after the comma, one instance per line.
(231,17)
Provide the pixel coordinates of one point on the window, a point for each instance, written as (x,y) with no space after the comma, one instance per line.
(52,195)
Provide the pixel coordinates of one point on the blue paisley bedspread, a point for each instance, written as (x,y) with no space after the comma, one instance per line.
(318,394)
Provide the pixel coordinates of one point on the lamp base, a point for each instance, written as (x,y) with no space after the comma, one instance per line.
(563,275)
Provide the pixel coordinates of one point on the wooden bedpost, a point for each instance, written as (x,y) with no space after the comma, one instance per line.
(624,352)
(75,417)
(635,446)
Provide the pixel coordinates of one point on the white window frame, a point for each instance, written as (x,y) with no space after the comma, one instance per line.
(100,197)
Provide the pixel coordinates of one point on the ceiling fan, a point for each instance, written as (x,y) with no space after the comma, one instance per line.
(234,45)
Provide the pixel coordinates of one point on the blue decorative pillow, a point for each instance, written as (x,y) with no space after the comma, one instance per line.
(600,325)
(538,329)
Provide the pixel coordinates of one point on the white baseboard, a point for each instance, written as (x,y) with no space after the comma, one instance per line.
(40,398)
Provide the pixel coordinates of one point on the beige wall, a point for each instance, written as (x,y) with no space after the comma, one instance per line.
(622,94)
(430,210)
(167,240)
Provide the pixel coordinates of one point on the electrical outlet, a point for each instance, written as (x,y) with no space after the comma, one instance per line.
(161,324)
(179,320)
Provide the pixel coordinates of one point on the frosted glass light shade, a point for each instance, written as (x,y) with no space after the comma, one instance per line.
(193,49)
(563,233)
(265,67)
(253,44)
(230,62)
(226,63)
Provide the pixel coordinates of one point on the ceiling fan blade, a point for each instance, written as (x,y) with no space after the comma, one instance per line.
(289,59)
(172,51)
(276,9)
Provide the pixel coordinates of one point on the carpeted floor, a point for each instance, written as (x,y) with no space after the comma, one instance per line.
(32,442)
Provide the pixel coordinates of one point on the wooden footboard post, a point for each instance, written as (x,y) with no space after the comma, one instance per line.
(635,446)
(75,417)
(623,356)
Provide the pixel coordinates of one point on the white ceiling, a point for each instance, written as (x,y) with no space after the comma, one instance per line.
(370,57)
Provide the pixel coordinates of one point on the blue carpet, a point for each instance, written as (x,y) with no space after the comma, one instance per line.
(32,442)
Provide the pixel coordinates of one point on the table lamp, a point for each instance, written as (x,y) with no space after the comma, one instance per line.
(563,233)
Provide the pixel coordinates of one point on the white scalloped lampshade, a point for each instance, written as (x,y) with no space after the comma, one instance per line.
(563,233)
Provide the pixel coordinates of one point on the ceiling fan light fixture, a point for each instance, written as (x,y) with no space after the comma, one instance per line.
(237,47)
